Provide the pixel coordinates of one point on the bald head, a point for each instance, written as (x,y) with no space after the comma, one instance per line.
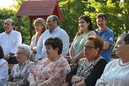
(8,25)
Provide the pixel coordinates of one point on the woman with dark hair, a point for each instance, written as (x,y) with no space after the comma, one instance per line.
(116,71)
(85,29)
(50,71)
(3,69)
(91,66)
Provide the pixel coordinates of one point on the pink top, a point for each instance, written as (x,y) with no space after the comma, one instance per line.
(49,73)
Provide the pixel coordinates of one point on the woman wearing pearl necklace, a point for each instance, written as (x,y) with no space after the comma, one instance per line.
(116,72)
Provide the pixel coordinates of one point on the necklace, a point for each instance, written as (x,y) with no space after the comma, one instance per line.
(123,64)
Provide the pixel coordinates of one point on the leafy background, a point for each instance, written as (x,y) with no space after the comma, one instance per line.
(71,10)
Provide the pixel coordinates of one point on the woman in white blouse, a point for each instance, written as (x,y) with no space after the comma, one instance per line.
(40,27)
(117,71)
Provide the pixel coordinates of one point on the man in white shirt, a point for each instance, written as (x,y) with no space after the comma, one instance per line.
(10,40)
(53,31)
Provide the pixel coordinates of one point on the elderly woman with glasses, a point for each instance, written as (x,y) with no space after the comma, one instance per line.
(89,68)
(52,70)
(116,72)
(20,71)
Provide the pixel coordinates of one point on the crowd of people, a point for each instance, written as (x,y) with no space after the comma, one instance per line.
(43,62)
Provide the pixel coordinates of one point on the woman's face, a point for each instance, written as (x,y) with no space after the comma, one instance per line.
(39,28)
(83,25)
(89,50)
(120,47)
(21,56)
(51,53)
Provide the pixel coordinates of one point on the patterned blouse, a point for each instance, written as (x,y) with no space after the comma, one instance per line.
(19,74)
(89,70)
(85,67)
(49,73)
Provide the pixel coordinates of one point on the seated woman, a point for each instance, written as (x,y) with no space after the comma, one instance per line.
(20,71)
(3,69)
(50,71)
(116,72)
(40,27)
(89,68)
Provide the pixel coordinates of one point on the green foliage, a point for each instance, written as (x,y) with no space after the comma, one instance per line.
(25,29)
(25,24)
(71,10)
(5,13)
(116,11)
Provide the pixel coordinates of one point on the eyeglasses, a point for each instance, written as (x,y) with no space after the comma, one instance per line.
(88,47)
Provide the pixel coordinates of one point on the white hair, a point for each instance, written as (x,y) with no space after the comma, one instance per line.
(26,49)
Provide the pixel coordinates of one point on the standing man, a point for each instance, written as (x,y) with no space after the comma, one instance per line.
(10,40)
(53,31)
(106,34)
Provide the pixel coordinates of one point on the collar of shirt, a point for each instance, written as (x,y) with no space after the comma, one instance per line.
(103,30)
(54,30)
(10,32)
(22,66)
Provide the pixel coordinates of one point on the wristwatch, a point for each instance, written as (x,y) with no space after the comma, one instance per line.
(11,54)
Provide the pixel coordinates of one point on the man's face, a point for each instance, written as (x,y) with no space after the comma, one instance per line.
(8,26)
(50,23)
(101,22)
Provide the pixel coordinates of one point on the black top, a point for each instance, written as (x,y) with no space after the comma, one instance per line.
(95,74)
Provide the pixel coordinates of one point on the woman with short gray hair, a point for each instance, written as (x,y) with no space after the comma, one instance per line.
(19,72)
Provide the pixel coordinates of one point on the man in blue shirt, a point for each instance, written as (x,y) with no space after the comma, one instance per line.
(106,34)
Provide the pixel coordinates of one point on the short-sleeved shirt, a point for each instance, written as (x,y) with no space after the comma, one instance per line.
(108,36)
(80,41)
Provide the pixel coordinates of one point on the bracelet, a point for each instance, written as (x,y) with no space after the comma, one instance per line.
(10,55)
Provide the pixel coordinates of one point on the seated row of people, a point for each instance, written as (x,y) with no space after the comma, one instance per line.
(89,54)
(85,29)
(54,70)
